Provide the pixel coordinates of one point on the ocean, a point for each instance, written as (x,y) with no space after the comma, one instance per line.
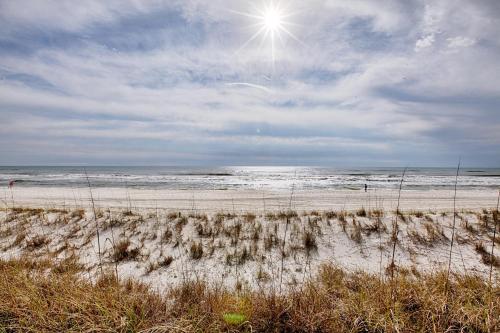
(271,178)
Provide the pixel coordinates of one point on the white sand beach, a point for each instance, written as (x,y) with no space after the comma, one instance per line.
(249,200)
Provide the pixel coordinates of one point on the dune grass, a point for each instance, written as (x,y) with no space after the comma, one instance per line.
(45,296)
(56,293)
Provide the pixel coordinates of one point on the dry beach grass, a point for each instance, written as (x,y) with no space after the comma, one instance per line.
(45,296)
(167,271)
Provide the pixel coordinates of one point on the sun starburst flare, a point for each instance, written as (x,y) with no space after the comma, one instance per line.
(272,25)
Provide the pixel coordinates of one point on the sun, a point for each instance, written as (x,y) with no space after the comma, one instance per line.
(272,19)
(272,25)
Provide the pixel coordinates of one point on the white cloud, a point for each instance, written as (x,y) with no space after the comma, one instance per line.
(425,42)
(460,41)
(71,15)
(358,80)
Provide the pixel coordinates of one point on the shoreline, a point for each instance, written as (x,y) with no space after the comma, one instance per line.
(249,200)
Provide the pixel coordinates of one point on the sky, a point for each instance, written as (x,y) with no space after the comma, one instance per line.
(182,82)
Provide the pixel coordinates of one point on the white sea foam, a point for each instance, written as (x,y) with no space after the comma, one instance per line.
(276,178)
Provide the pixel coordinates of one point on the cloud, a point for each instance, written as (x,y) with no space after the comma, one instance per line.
(374,82)
(425,42)
(460,41)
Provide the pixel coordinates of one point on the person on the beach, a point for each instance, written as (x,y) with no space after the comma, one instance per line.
(366,188)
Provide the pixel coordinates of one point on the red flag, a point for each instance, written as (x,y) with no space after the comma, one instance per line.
(11,183)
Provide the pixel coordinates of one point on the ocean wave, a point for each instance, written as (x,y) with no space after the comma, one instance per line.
(206,174)
(248,178)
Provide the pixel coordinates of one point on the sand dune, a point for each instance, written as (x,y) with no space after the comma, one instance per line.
(166,247)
